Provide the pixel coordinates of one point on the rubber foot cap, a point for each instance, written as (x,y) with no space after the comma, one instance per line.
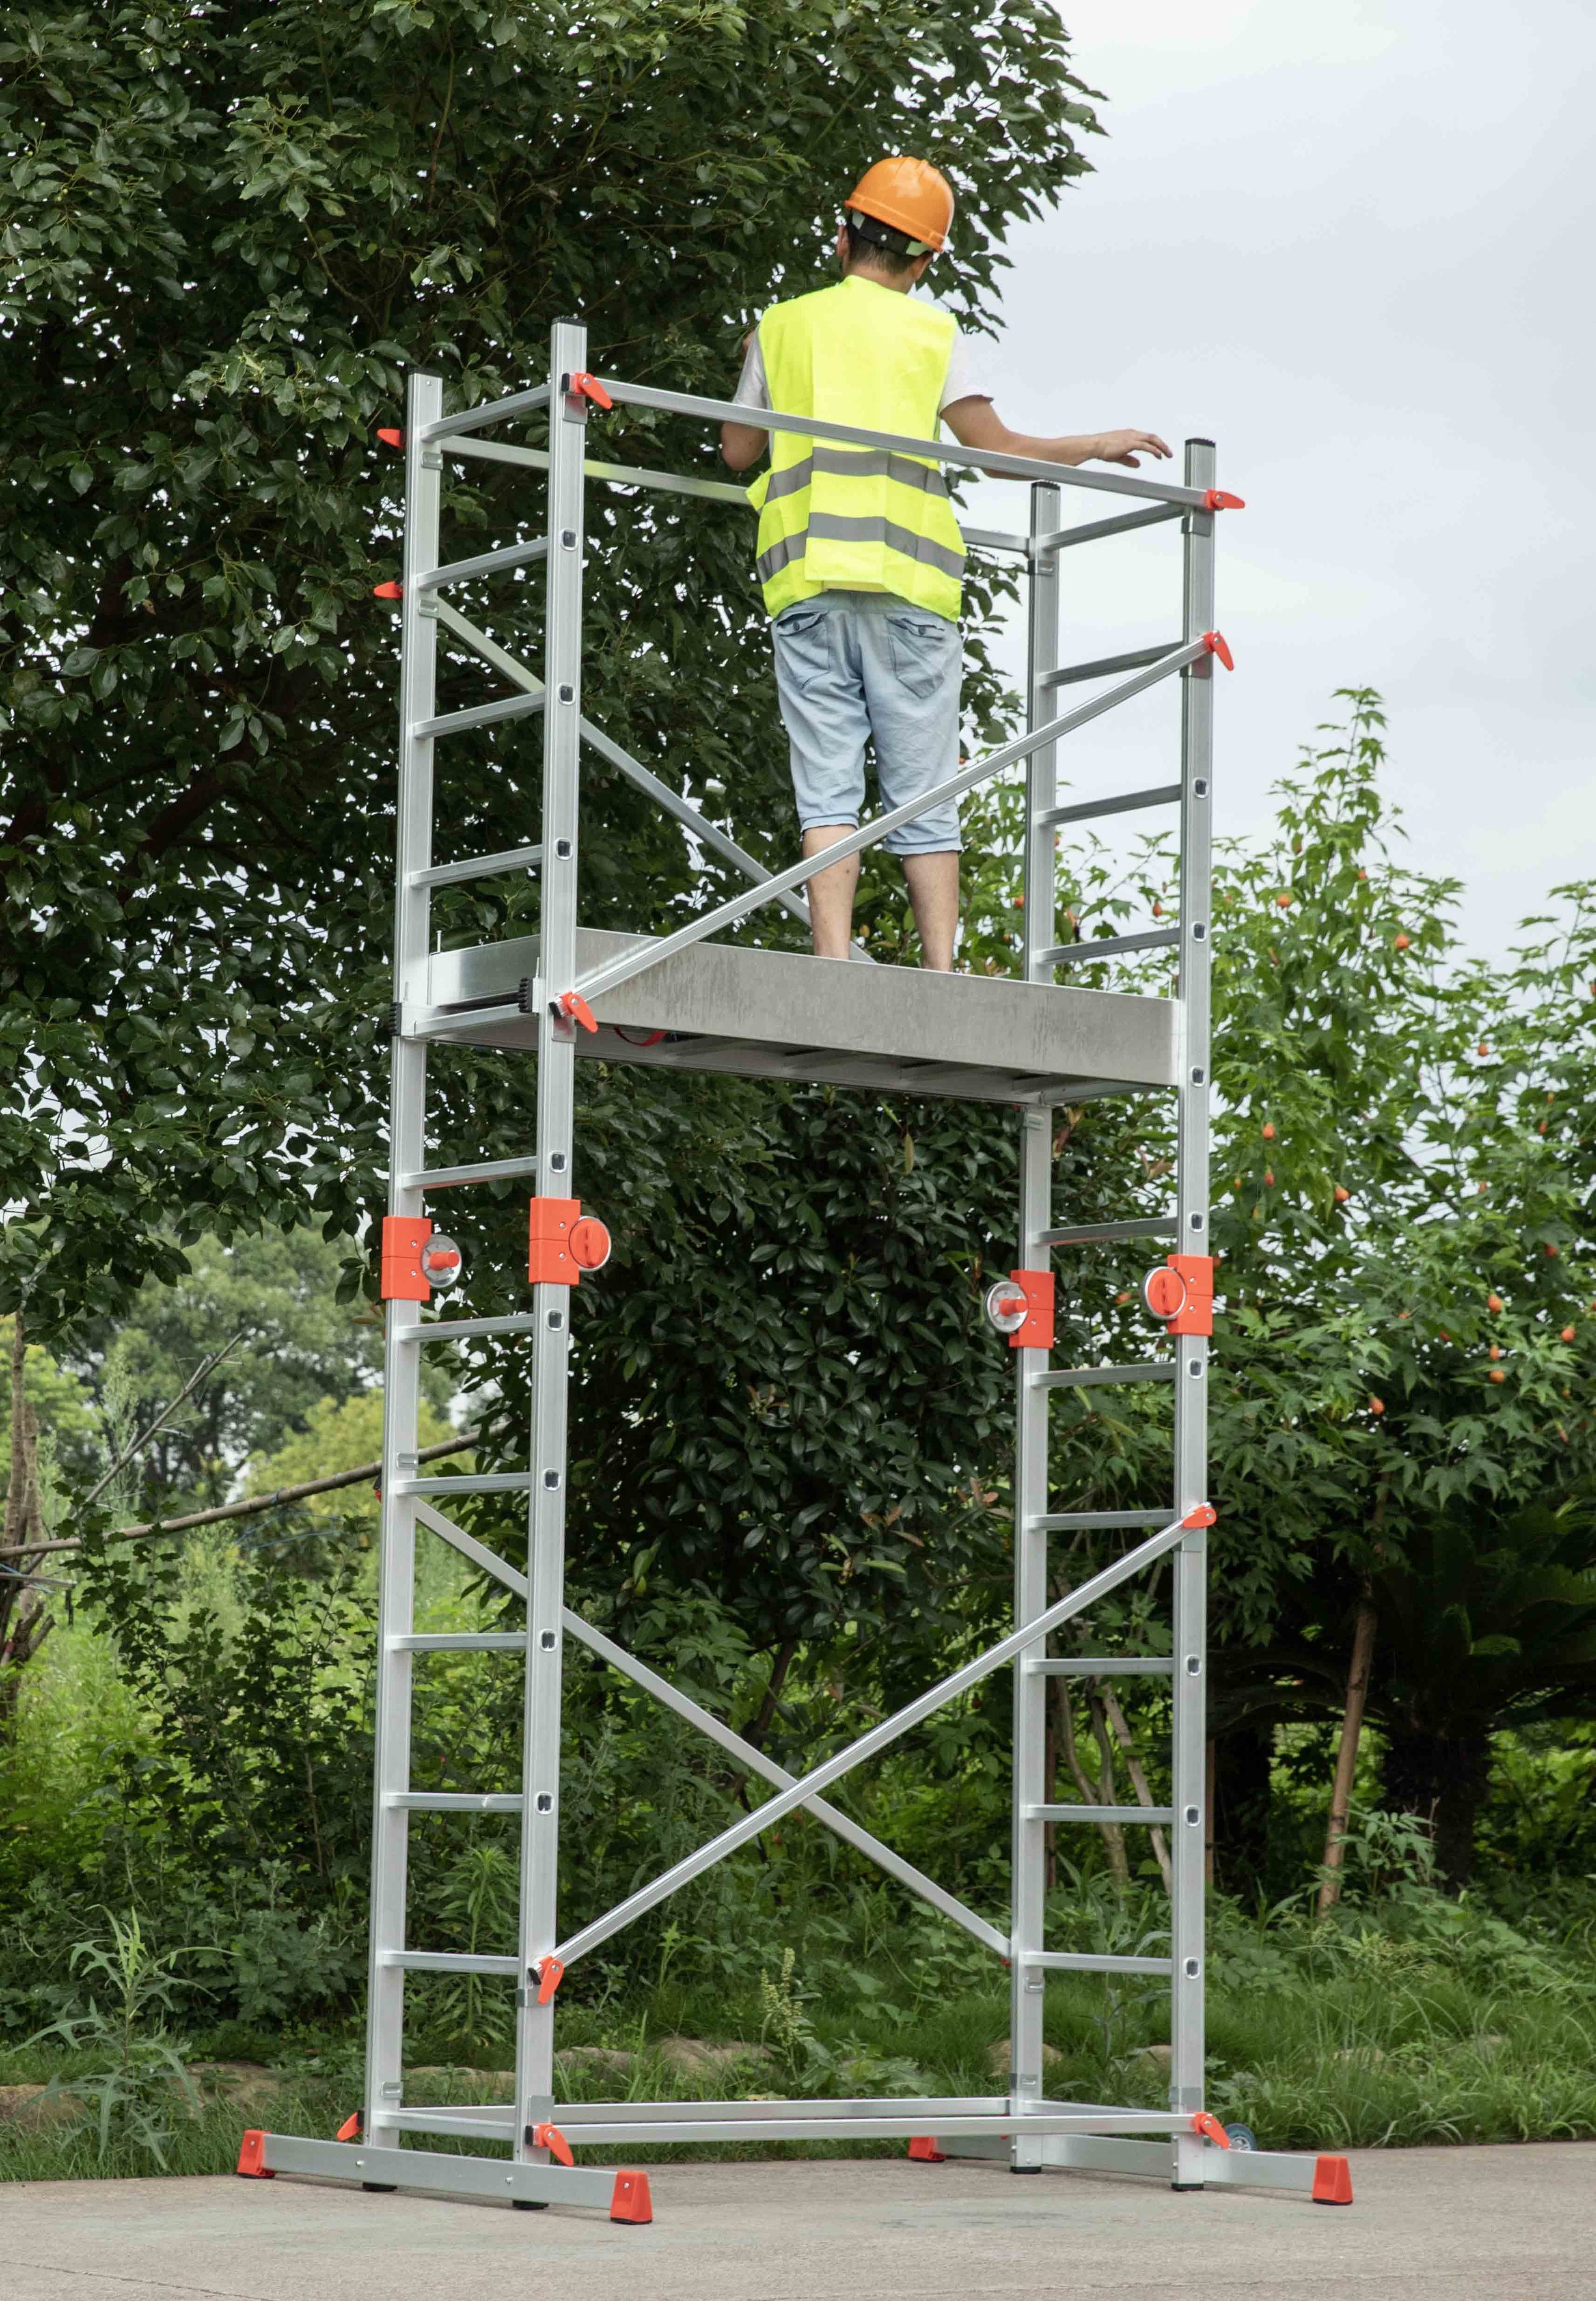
(923,2150)
(1024,2168)
(630,2201)
(1332,2182)
(529,2204)
(379,2188)
(252,2158)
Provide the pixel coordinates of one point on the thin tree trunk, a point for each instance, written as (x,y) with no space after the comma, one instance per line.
(1346,1759)
(25,1620)
(1114,1840)
(1114,1836)
(1144,1796)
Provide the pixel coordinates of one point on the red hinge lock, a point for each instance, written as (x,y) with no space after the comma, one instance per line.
(402,1239)
(547,1973)
(354,2126)
(1216,644)
(1205,2122)
(585,385)
(549,2137)
(1181,1291)
(391,438)
(562,1242)
(1038,1287)
(387,590)
(1214,499)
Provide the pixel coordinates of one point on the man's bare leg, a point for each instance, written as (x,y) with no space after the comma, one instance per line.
(832,892)
(933,890)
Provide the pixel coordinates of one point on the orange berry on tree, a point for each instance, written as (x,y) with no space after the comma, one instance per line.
(1552,1251)
(1283,903)
(1401,942)
(1497,1375)
(1268,1178)
(1269,1130)
(1496,1351)
(1493,1301)
(1342,1194)
(1376,1405)
(1568,1334)
(1484,1050)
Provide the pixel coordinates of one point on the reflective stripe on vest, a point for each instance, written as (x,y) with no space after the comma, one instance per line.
(858,519)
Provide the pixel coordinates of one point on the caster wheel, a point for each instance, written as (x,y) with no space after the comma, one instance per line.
(1241,2137)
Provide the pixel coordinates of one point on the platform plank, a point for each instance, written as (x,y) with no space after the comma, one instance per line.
(785,1015)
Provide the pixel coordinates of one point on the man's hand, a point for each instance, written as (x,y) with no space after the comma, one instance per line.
(975,422)
(1128,447)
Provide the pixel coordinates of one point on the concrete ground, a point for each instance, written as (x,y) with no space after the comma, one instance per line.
(1512,2224)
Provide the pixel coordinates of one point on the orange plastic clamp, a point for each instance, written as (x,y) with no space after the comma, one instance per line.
(391,438)
(1215,498)
(387,590)
(923,2150)
(403,1238)
(549,1261)
(1216,644)
(629,2200)
(586,384)
(1332,2181)
(550,2137)
(550,1973)
(1205,2122)
(575,1006)
(352,2126)
(1196,1314)
(1038,1287)
(252,2166)
(1205,1514)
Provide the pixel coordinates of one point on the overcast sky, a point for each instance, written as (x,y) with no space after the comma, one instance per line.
(1352,243)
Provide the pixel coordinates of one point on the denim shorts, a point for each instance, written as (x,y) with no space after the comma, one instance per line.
(856,667)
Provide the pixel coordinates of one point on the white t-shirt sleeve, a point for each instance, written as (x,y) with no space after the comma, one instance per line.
(966,377)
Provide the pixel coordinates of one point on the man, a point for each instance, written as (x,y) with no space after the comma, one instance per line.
(858,551)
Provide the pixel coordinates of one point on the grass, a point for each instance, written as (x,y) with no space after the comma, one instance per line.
(1422,2022)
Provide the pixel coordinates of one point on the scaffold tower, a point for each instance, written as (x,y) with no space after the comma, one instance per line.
(693,1001)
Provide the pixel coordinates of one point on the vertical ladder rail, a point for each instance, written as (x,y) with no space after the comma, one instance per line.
(1192,1382)
(551,1348)
(1028,1885)
(407,1127)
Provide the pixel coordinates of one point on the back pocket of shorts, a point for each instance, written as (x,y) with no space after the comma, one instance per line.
(925,649)
(803,645)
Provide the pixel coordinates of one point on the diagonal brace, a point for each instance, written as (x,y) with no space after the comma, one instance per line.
(664,797)
(621,970)
(868,1746)
(769,1771)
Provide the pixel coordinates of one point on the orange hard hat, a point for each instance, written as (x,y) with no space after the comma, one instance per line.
(912,197)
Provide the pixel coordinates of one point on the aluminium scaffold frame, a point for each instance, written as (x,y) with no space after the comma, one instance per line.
(1028,1044)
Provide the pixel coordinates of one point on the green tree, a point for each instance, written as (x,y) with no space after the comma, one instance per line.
(231,230)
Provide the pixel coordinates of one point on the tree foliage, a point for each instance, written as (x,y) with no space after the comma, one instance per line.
(231,228)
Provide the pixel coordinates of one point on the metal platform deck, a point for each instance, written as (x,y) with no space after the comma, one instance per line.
(771,1014)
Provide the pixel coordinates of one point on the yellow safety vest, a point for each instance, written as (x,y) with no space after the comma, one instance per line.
(856,519)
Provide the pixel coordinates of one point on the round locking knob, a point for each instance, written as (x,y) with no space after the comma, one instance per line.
(442,1263)
(1006,1307)
(589,1244)
(1163,1290)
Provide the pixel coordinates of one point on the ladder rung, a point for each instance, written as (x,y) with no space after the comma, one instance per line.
(997,539)
(478,866)
(1122,803)
(503,1482)
(1074,1521)
(454,1801)
(1104,1665)
(491,563)
(448,1330)
(1070,672)
(1159,1816)
(1062,538)
(437,1961)
(1070,1960)
(1083,954)
(1089,1234)
(1075,1379)
(481,714)
(459,1642)
(449,1179)
(486,411)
